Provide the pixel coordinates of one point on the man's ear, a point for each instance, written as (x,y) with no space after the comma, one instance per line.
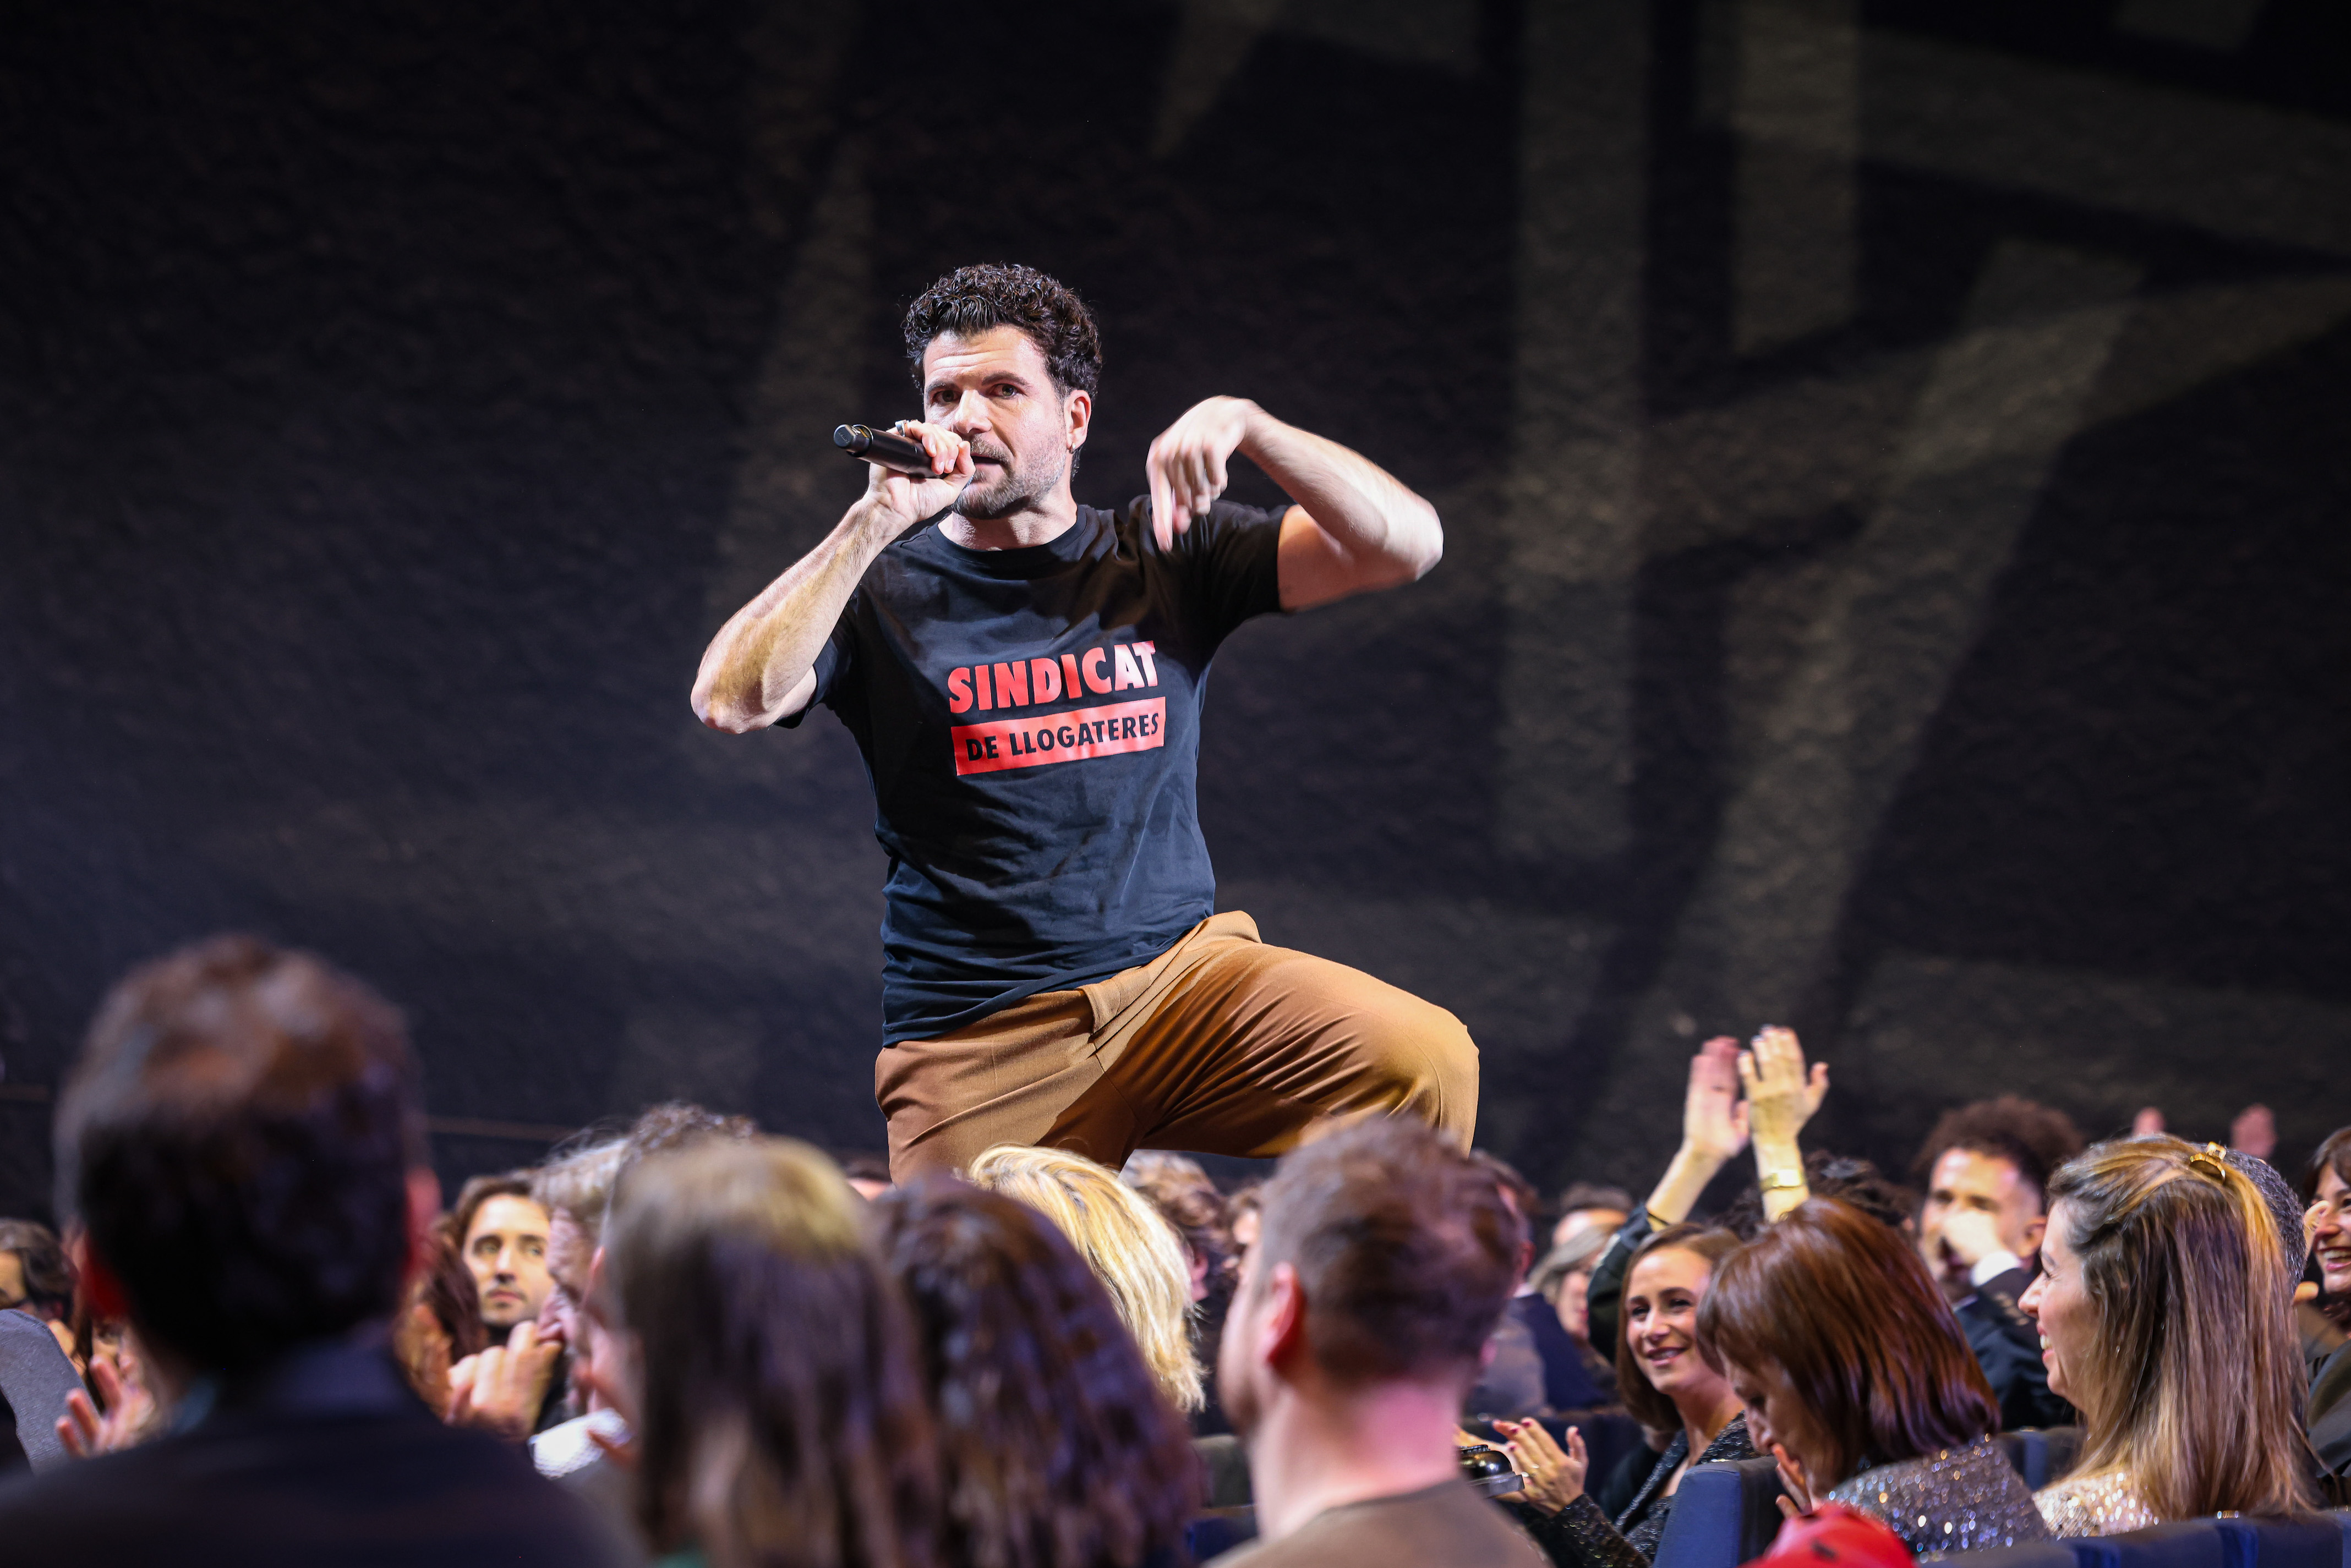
(1281,1331)
(2034,1229)
(101,1287)
(1077,414)
(423,1210)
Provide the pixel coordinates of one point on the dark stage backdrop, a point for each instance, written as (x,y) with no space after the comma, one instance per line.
(1894,457)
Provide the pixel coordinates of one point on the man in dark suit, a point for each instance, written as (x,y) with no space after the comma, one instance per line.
(1987,1168)
(243,1140)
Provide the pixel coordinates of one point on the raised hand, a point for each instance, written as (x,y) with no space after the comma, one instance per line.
(1554,1476)
(1799,1500)
(128,1408)
(1714,1118)
(1188,464)
(1781,1095)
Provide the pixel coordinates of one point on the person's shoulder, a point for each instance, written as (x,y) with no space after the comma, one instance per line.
(1443,1526)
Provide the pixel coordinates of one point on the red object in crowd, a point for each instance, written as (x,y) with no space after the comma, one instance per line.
(1834,1535)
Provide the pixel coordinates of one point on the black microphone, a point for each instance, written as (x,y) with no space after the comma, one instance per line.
(885,449)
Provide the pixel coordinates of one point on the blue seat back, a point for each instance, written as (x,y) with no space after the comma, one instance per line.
(1723,1515)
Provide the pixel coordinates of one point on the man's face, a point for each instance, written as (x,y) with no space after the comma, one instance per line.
(506,1247)
(994,390)
(1238,1368)
(1576,1221)
(1969,1194)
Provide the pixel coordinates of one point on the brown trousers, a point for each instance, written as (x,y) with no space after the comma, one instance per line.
(1221,1045)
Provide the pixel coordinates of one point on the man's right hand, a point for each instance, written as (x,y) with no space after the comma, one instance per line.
(906,499)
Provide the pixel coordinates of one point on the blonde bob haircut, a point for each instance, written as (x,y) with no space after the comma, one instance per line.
(2194,1386)
(1134,1252)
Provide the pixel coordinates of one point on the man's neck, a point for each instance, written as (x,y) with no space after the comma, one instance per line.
(1319,1449)
(1040,522)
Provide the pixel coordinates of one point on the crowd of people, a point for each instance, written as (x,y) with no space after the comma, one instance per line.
(681,1340)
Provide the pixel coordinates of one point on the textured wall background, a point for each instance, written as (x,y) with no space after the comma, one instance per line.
(1894,454)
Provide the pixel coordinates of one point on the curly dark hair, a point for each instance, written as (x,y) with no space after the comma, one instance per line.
(1057,1448)
(972,299)
(237,1136)
(1848,1177)
(2028,1135)
(49,1275)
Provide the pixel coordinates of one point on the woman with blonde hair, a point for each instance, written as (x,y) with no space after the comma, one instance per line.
(2165,1302)
(1134,1252)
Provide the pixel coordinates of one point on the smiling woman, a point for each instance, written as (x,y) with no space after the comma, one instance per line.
(1667,1386)
(2327,1190)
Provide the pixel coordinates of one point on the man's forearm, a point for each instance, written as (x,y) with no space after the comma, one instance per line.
(768,648)
(1367,511)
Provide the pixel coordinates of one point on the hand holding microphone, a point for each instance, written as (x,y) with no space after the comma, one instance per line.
(918,469)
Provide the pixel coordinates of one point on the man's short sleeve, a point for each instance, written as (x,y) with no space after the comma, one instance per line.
(1232,566)
(835,665)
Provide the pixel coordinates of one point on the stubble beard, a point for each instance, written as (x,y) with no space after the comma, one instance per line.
(1016,489)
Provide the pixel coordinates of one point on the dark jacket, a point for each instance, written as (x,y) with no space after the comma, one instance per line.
(327,1460)
(2008,1347)
(2330,1419)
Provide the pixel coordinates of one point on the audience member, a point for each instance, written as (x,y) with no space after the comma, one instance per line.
(1134,1252)
(439,1323)
(1532,1365)
(2327,1187)
(773,1372)
(501,1232)
(1385,1256)
(2165,1302)
(1716,1124)
(242,1139)
(867,1175)
(1056,1447)
(1854,1375)
(1987,1168)
(1188,1199)
(35,1276)
(1667,1386)
(1246,1206)
(1565,1280)
(1590,1207)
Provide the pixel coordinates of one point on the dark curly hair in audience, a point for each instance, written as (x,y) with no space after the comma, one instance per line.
(972,299)
(2030,1136)
(782,1421)
(48,1276)
(237,1136)
(1057,1448)
(1842,1304)
(1849,1179)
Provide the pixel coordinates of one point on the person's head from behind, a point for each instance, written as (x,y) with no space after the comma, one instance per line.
(1385,1258)
(2327,1188)
(1130,1246)
(1841,1347)
(1666,1385)
(1987,1167)
(1008,359)
(35,1276)
(501,1232)
(1057,1448)
(774,1372)
(2165,1303)
(1188,1199)
(1522,1200)
(243,1140)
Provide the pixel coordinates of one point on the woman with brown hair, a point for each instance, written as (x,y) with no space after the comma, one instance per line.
(2165,1302)
(2327,1188)
(1856,1376)
(1056,1447)
(768,1364)
(1666,1385)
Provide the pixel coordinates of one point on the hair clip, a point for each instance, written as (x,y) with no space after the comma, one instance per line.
(2211,1160)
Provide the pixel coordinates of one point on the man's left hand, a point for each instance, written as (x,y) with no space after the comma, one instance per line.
(1186,465)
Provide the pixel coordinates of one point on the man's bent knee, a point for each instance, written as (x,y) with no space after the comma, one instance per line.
(1425,1064)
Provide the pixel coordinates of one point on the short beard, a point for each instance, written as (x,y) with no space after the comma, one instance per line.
(1012,492)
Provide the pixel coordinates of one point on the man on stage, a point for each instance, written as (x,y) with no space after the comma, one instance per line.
(1025,681)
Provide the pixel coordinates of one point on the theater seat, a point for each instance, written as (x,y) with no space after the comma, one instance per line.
(2320,1542)
(1723,1515)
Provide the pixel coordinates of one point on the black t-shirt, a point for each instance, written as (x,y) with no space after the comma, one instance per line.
(1031,719)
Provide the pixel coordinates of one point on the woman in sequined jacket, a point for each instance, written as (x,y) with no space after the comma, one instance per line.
(1668,1387)
(1856,1376)
(2165,1304)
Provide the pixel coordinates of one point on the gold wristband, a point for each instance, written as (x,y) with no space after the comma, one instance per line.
(1782,1182)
